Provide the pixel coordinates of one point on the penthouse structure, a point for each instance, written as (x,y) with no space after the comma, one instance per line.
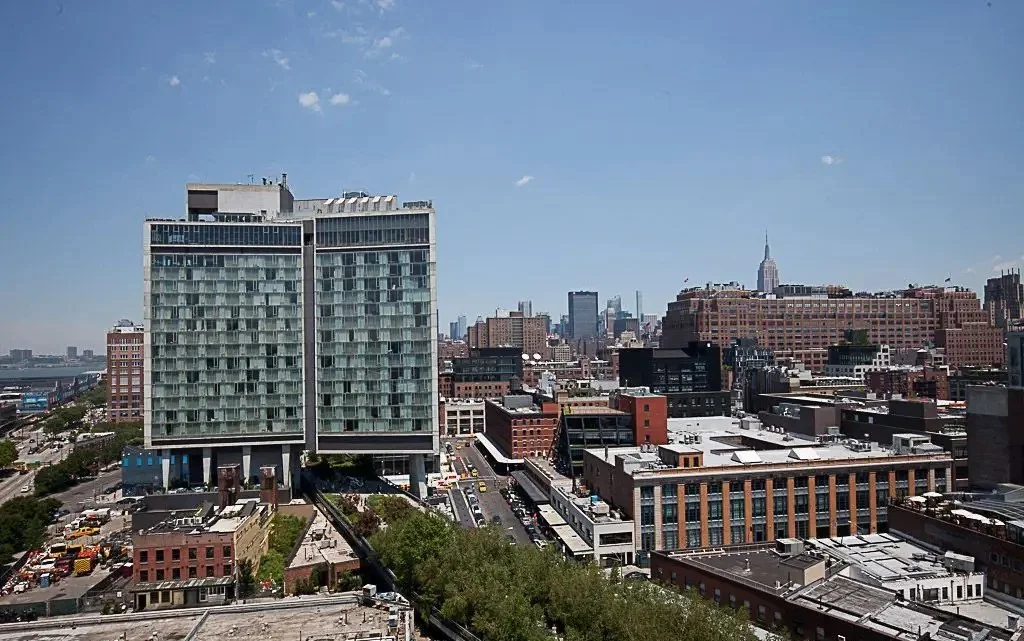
(275,325)
(723,481)
(870,587)
(802,322)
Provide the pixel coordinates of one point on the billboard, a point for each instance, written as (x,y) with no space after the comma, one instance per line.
(32,402)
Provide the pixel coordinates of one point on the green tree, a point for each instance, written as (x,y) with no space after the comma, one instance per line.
(96,397)
(246,579)
(8,453)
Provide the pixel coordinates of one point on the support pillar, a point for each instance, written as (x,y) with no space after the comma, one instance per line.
(207,466)
(286,465)
(165,468)
(246,464)
(417,476)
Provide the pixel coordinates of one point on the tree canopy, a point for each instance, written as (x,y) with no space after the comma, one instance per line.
(86,461)
(23,522)
(506,593)
(8,453)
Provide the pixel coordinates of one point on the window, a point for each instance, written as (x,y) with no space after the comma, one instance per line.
(759,506)
(209,551)
(227,551)
(144,556)
(192,554)
(646,491)
(159,556)
(175,574)
(209,570)
(192,573)
(669,491)
(144,576)
(737,509)
(159,575)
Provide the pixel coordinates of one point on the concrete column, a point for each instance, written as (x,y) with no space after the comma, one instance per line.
(286,465)
(207,466)
(165,465)
(246,463)
(417,476)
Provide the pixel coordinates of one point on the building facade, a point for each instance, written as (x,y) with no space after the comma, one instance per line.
(125,367)
(767,271)
(582,315)
(856,360)
(519,428)
(1004,299)
(689,377)
(715,486)
(527,333)
(275,325)
(995,439)
(464,417)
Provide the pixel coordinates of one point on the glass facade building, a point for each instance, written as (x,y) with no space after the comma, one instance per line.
(270,334)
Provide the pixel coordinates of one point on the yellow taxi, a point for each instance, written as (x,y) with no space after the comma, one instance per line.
(482,486)
(476,472)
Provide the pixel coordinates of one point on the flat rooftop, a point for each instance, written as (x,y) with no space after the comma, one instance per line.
(305,617)
(759,564)
(208,518)
(69,587)
(322,544)
(725,443)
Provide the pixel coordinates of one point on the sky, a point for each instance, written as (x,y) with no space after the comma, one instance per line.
(606,146)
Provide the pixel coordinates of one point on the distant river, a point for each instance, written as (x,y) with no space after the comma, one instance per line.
(47,372)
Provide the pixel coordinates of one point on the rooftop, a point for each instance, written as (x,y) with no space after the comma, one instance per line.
(209,519)
(322,544)
(728,442)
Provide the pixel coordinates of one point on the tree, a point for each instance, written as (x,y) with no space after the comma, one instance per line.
(8,453)
(246,579)
(367,523)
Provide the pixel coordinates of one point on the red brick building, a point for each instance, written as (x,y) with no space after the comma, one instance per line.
(519,428)
(805,325)
(124,372)
(909,383)
(650,416)
(528,333)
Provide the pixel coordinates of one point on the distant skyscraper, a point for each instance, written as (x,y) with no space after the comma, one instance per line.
(453,330)
(768,272)
(463,325)
(582,314)
(1004,299)
(615,302)
(526,308)
(72,351)
(640,305)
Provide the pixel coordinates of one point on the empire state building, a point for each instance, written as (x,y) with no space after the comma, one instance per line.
(768,272)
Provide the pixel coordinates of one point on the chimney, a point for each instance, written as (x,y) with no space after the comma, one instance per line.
(268,485)
(284,180)
(228,487)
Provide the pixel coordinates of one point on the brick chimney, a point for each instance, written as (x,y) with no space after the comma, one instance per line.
(228,484)
(268,485)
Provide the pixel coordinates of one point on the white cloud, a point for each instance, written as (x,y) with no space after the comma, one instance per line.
(310,100)
(210,57)
(340,99)
(338,4)
(359,77)
(525,180)
(174,81)
(311,14)
(386,4)
(969,270)
(1007,265)
(385,42)
(397,57)
(473,65)
(412,177)
(382,43)
(831,160)
(278,56)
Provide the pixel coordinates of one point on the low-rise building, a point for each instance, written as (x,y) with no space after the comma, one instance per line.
(464,417)
(517,428)
(868,588)
(909,382)
(721,481)
(142,468)
(856,361)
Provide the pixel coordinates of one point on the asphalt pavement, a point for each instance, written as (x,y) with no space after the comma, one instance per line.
(491,502)
(87,494)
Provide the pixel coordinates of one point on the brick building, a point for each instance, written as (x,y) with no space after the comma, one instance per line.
(518,427)
(1004,299)
(717,483)
(487,372)
(649,412)
(584,368)
(528,333)
(909,382)
(125,372)
(803,324)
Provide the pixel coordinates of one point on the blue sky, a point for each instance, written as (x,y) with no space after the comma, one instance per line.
(661,138)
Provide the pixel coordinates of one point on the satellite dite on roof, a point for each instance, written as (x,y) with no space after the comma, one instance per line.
(526,357)
(536,357)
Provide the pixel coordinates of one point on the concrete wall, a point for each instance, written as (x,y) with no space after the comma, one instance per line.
(995,436)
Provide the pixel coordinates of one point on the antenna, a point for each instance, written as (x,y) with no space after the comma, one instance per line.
(252,178)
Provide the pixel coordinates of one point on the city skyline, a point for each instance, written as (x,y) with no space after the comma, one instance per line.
(909,127)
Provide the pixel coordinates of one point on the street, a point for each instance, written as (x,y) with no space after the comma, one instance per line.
(491,502)
(84,494)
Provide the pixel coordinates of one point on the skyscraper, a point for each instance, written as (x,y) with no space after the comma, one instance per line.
(768,272)
(1004,299)
(453,330)
(72,351)
(582,314)
(640,305)
(526,308)
(462,328)
(275,325)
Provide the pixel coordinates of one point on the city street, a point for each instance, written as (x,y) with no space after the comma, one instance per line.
(491,502)
(84,494)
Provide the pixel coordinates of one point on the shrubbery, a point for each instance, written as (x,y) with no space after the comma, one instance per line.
(23,522)
(502,592)
(285,531)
